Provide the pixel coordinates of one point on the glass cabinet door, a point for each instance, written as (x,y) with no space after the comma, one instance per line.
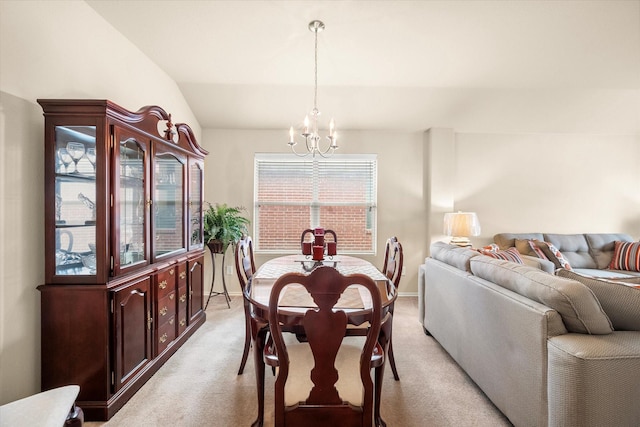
(168,204)
(75,200)
(132,203)
(196,178)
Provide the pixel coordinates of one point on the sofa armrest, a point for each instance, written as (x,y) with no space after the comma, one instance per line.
(539,263)
(594,380)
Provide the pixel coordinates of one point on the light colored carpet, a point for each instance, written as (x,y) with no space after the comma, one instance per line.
(199,385)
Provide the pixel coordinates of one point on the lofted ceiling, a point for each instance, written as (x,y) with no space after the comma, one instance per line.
(401,65)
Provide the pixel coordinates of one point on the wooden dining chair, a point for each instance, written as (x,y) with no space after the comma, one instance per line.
(245,268)
(326,379)
(392,268)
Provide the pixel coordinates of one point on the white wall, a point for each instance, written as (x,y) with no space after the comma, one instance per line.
(21,249)
(51,49)
(562,183)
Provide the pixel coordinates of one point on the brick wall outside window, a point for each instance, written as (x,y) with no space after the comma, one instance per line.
(293,195)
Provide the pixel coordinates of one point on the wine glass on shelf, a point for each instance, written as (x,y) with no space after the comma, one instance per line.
(76,150)
(91,156)
(65,159)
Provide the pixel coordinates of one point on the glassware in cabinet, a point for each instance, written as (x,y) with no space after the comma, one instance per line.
(75,200)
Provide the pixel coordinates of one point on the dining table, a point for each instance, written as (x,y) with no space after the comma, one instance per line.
(294,302)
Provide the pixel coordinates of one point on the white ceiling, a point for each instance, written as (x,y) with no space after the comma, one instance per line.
(404,65)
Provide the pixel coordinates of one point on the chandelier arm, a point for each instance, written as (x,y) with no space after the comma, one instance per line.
(329,148)
(322,153)
(299,154)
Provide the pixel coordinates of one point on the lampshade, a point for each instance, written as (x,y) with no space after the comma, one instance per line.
(461,225)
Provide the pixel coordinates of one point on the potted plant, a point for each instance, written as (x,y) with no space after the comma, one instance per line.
(223,225)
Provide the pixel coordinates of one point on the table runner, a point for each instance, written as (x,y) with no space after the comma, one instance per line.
(297,296)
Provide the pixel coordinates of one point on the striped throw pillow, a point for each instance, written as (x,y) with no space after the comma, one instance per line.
(510,254)
(626,256)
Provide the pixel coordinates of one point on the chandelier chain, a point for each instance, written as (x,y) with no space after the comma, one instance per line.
(315,82)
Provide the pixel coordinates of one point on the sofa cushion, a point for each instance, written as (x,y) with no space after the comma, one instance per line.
(626,256)
(453,255)
(601,246)
(553,254)
(539,263)
(606,274)
(618,298)
(579,308)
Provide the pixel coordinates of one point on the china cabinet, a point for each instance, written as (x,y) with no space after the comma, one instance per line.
(123,244)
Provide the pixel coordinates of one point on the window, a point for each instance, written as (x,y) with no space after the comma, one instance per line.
(293,194)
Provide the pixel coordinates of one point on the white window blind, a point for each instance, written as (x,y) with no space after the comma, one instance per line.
(293,194)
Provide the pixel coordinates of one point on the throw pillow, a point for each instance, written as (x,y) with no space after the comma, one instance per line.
(553,254)
(510,254)
(619,299)
(536,250)
(626,256)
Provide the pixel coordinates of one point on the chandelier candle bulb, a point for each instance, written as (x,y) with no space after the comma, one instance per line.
(291,141)
(305,130)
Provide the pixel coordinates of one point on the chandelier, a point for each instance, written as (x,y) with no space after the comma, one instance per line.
(309,131)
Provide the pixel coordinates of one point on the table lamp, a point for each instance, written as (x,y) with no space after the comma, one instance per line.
(461,225)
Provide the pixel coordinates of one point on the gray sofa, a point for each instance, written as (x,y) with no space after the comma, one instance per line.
(588,254)
(541,347)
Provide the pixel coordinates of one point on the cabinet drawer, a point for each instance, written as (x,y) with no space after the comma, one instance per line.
(182,322)
(183,298)
(182,274)
(166,334)
(165,282)
(166,308)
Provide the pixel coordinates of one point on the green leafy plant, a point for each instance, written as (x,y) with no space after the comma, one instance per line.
(224,225)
